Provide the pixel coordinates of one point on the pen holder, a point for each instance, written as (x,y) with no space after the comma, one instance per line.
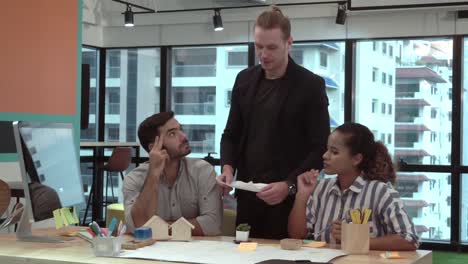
(107,246)
(355,238)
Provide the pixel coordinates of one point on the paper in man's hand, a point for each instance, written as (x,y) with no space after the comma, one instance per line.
(248,186)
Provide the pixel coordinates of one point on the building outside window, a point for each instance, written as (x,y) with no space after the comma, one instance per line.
(113,64)
(417,76)
(200,94)
(374,74)
(464,147)
(194,100)
(323,59)
(195,62)
(374,105)
(237,58)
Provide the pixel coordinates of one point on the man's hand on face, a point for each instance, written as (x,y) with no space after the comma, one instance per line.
(274,193)
(158,156)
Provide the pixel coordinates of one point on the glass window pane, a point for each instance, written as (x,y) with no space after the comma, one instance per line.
(464,209)
(465,107)
(327,60)
(194,62)
(418,100)
(132,91)
(426,199)
(201,92)
(90,56)
(464,186)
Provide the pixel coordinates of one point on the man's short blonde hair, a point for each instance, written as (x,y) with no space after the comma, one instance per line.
(274,18)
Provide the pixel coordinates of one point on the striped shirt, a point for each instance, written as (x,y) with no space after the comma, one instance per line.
(329,203)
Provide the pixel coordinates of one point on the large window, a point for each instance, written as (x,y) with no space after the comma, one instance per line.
(90,56)
(202,137)
(327,60)
(426,198)
(194,62)
(132,91)
(194,100)
(414,87)
(464,109)
(420,121)
(202,81)
(464,209)
(464,132)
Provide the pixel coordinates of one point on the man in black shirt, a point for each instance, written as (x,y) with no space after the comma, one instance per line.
(277,128)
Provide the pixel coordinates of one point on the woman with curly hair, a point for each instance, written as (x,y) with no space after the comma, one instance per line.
(365,174)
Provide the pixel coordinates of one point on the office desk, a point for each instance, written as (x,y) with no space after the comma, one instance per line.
(79,251)
(109,144)
(98,159)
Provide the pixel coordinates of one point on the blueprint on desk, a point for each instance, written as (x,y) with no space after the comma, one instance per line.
(215,252)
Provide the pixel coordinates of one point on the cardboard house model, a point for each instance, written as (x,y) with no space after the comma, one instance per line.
(182,230)
(160,228)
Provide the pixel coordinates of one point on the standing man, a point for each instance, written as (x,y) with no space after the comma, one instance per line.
(171,185)
(277,128)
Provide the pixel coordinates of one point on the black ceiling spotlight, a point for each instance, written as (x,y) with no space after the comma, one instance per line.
(129,13)
(217,21)
(341,14)
(129,17)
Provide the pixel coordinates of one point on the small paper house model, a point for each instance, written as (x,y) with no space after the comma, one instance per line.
(160,228)
(182,230)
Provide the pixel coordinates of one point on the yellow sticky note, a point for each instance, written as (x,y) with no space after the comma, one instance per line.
(314,244)
(57,219)
(247,246)
(75,216)
(63,216)
(391,255)
(68,216)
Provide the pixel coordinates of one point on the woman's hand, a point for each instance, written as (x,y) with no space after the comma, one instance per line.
(306,182)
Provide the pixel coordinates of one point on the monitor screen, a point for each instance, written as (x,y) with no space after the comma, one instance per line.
(49,165)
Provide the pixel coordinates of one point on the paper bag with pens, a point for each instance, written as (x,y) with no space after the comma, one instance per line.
(355,235)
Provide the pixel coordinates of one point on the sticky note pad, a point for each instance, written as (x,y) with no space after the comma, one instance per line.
(391,255)
(75,216)
(58,219)
(68,216)
(247,246)
(313,244)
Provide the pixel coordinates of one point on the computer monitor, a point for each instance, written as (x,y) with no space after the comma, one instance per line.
(50,171)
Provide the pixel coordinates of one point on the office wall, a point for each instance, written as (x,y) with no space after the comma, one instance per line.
(39,57)
(308,23)
(40,51)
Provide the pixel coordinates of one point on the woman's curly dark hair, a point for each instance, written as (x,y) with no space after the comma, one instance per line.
(376,161)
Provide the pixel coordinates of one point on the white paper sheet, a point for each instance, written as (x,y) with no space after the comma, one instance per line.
(248,186)
(215,252)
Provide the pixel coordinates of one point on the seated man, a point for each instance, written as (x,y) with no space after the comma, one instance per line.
(171,185)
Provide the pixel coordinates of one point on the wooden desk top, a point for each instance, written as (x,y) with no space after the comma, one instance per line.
(108,144)
(80,251)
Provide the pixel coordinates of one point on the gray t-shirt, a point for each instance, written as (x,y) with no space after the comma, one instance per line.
(194,194)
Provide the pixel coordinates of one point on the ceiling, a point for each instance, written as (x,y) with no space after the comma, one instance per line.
(109,6)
